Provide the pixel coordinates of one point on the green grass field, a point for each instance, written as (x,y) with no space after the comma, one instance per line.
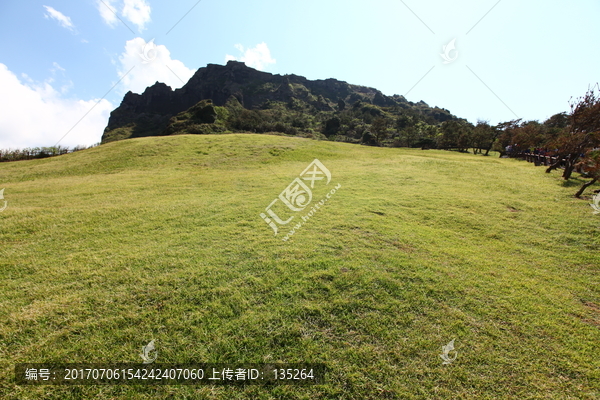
(160,238)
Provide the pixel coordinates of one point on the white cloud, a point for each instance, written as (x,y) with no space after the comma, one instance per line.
(135,11)
(57,67)
(258,57)
(38,115)
(138,12)
(108,12)
(150,63)
(62,19)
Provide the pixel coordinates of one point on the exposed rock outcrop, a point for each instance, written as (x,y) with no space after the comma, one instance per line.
(149,113)
(161,110)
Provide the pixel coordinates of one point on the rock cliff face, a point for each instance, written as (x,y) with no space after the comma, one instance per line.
(148,114)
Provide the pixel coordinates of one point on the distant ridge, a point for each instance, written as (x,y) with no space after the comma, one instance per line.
(150,113)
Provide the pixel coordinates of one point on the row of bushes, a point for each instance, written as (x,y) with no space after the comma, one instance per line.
(32,153)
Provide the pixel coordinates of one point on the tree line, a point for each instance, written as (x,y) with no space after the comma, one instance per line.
(33,153)
(573,138)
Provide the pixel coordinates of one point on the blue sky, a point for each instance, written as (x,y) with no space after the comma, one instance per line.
(66,64)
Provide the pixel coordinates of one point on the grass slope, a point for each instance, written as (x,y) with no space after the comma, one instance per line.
(160,238)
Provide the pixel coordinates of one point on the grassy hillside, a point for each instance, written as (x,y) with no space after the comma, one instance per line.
(160,238)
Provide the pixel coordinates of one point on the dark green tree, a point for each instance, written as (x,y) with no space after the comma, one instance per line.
(403,122)
(379,129)
(485,136)
(332,127)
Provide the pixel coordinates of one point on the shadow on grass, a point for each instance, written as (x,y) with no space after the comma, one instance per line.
(573,182)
